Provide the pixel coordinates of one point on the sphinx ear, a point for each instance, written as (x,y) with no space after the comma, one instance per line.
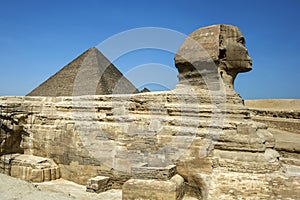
(222,48)
(222,52)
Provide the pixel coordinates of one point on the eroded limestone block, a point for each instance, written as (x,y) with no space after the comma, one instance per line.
(153,189)
(32,168)
(98,184)
(149,172)
(37,175)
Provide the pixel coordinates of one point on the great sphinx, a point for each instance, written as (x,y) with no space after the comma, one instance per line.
(201,127)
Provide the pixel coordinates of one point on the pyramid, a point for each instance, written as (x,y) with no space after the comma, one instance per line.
(91,73)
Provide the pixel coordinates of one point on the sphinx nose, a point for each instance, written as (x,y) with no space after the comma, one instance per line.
(248,57)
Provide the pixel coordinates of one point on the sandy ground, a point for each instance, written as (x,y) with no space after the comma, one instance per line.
(16,189)
(274,104)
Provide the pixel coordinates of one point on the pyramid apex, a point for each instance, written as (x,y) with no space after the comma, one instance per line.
(93,49)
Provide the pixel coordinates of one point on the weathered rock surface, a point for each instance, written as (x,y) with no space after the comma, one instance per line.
(98,184)
(150,172)
(283,118)
(283,114)
(172,189)
(201,126)
(29,168)
(10,133)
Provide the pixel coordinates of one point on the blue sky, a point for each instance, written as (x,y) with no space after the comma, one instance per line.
(39,37)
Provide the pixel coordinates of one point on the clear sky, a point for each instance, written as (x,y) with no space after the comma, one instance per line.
(39,37)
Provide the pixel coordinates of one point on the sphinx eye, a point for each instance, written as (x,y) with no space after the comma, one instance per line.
(241,40)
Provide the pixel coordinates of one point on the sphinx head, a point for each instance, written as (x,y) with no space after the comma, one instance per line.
(232,51)
(222,45)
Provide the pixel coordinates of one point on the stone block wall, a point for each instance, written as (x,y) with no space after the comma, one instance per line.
(283,119)
(282,114)
(90,136)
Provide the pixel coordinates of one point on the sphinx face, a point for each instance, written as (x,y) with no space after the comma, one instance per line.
(223,44)
(237,55)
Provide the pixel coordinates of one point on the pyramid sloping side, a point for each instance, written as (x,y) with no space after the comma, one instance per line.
(89,74)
